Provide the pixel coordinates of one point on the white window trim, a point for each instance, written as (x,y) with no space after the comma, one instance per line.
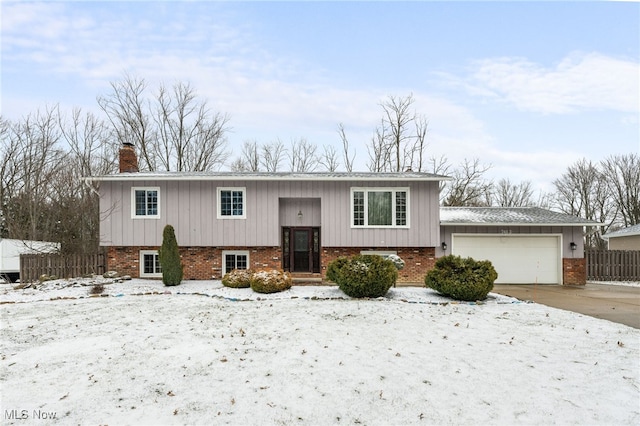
(219,204)
(142,273)
(393,190)
(235,252)
(133,202)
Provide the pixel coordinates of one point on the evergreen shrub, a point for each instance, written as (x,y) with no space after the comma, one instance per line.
(365,275)
(270,281)
(462,278)
(170,258)
(238,278)
(334,267)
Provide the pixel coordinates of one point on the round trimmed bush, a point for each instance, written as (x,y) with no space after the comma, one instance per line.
(366,276)
(334,267)
(462,278)
(238,278)
(270,281)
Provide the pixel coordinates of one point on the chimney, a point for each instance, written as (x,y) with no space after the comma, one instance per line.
(128,159)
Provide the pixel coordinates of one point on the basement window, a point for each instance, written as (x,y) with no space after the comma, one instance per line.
(150,264)
(234,260)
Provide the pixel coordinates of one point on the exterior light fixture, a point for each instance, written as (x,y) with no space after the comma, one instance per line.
(300,215)
(444,246)
(573,245)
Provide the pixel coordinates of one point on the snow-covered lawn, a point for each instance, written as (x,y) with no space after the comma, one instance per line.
(203,354)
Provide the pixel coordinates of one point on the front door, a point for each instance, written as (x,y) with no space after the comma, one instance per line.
(301,249)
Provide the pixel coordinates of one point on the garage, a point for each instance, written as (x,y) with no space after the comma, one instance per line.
(518,259)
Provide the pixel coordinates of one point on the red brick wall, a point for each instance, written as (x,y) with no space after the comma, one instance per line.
(205,263)
(574,271)
(418,260)
(200,263)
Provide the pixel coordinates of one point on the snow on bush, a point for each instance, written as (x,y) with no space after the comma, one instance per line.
(397,261)
(238,278)
(364,275)
(270,281)
(462,279)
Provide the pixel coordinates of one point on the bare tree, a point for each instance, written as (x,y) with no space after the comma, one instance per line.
(272,156)
(346,155)
(468,187)
(127,111)
(173,131)
(191,137)
(582,191)
(329,158)
(92,152)
(250,156)
(302,156)
(508,194)
(380,159)
(32,166)
(399,142)
(622,173)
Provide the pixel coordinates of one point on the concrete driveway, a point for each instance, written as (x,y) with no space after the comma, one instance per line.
(615,303)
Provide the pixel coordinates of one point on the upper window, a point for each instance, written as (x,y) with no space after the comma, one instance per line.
(380,207)
(231,203)
(145,202)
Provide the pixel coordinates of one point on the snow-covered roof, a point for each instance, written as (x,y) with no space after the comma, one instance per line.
(265,176)
(624,232)
(508,216)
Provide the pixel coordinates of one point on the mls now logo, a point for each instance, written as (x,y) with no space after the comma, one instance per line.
(24,415)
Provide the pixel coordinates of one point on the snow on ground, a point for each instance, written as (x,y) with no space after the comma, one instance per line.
(622,283)
(200,353)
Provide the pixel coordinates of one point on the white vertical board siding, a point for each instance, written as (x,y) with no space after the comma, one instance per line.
(191,208)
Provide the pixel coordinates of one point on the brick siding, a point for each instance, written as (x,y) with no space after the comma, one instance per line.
(574,271)
(205,263)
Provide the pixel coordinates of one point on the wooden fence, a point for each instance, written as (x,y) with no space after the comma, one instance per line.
(613,265)
(32,266)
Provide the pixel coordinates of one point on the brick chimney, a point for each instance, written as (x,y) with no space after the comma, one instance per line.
(128,159)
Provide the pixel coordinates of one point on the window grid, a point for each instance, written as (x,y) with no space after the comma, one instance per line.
(150,264)
(401,208)
(380,207)
(146,202)
(358,208)
(232,203)
(235,261)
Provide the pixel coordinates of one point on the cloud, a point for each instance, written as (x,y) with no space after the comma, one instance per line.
(581,81)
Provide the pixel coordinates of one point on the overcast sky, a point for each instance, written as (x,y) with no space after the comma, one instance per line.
(529,88)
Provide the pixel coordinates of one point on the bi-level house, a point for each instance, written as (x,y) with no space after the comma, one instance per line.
(302,221)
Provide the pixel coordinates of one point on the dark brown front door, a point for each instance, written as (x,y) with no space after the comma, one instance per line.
(301,249)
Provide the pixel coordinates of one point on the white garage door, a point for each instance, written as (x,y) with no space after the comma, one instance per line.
(518,259)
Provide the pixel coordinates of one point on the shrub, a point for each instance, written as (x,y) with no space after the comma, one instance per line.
(170,258)
(397,261)
(238,278)
(462,279)
(334,267)
(366,276)
(97,289)
(270,281)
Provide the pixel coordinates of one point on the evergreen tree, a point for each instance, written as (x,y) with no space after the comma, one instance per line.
(170,258)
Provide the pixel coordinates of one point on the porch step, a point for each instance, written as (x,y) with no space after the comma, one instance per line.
(306,279)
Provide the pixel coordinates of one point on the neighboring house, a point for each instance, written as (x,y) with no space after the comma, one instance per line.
(527,245)
(300,222)
(624,239)
(10,251)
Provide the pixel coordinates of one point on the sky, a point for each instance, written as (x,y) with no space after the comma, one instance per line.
(200,354)
(526,87)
